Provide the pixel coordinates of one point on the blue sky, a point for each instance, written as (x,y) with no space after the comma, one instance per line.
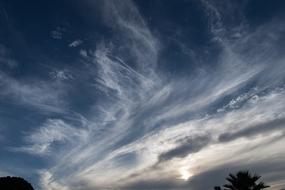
(141,94)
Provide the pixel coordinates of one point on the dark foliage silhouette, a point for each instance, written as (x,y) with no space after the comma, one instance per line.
(243,180)
(14,183)
(217,188)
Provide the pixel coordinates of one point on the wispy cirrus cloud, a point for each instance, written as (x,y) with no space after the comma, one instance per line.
(75,43)
(44,139)
(150,130)
(32,93)
(146,119)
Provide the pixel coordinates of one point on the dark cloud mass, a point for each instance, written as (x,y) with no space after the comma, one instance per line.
(187,147)
(141,94)
(263,128)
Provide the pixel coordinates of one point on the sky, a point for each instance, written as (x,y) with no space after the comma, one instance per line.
(143,94)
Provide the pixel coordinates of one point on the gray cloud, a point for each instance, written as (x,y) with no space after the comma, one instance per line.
(217,175)
(190,145)
(157,185)
(263,128)
(126,160)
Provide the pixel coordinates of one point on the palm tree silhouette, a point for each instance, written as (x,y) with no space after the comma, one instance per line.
(243,180)
(217,188)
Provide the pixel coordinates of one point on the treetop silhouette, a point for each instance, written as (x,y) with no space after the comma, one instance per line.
(243,180)
(14,183)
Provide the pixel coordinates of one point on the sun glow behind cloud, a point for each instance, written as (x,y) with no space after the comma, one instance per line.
(185,173)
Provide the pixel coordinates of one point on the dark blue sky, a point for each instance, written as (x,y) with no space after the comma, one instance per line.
(143,94)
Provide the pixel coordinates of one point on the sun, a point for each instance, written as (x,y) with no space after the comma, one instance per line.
(185,174)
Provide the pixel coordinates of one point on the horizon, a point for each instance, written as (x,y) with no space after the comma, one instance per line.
(142,94)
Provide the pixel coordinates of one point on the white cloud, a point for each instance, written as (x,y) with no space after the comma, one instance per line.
(134,32)
(48,183)
(35,93)
(53,131)
(147,114)
(61,74)
(83,53)
(75,43)
(56,35)
(247,109)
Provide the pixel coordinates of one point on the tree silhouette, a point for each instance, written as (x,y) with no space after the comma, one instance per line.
(14,183)
(243,180)
(217,188)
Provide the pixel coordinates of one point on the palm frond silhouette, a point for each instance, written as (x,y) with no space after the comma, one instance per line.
(243,180)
